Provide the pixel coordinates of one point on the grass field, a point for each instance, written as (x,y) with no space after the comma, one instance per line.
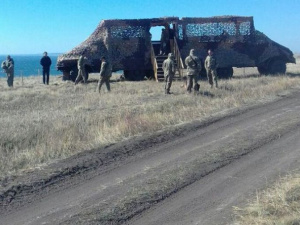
(41,123)
(277,205)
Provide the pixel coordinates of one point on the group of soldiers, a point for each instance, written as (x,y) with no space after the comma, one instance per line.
(192,62)
(194,67)
(105,72)
(8,66)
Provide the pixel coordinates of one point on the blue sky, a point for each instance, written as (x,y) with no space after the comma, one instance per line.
(56,26)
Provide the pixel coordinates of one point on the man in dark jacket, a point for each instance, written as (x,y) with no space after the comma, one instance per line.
(46,63)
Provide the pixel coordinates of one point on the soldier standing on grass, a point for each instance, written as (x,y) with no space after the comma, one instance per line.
(8,67)
(169,72)
(46,63)
(82,61)
(211,68)
(194,67)
(105,74)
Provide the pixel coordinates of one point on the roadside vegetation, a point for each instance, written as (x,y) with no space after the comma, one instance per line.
(277,205)
(40,124)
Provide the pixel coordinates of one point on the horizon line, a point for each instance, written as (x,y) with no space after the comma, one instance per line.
(30,53)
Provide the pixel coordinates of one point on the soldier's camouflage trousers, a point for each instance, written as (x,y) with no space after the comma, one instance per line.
(103,79)
(81,75)
(192,80)
(168,83)
(212,76)
(10,79)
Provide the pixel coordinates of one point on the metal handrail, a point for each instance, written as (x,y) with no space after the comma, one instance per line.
(154,62)
(177,54)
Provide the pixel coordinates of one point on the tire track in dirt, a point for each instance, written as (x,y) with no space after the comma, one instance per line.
(104,178)
(210,200)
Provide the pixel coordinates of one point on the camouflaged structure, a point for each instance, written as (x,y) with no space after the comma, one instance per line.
(127,44)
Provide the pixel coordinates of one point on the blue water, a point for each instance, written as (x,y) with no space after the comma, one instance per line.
(29,65)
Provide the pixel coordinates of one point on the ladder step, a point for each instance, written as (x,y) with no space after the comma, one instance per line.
(160,73)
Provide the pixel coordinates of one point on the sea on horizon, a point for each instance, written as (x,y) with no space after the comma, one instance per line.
(29,65)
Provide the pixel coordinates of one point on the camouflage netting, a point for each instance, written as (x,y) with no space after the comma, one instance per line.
(127,43)
(130,44)
(94,47)
(220,34)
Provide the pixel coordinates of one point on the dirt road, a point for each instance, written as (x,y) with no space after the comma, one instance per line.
(210,200)
(191,174)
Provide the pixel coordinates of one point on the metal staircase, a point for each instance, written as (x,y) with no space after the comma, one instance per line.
(157,62)
(160,73)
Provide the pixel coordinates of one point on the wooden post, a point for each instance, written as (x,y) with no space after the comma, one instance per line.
(22,77)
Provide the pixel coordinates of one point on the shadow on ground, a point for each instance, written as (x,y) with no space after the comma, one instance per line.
(289,74)
(247,76)
(293,74)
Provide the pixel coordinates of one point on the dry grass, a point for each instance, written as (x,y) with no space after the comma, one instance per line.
(278,205)
(40,123)
(161,181)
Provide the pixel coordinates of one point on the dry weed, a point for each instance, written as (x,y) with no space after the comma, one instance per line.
(41,123)
(279,204)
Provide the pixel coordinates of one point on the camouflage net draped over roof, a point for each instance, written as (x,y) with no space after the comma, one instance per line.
(214,26)
(127,43)
(98,42)
(131,28)
(94,45)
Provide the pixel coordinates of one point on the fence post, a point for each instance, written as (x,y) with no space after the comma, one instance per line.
(22,77)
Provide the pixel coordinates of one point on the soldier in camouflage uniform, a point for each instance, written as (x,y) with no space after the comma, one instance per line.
(169,72)
(211,68)
(8,67)
(82,61)
(194,67)
(105,74)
